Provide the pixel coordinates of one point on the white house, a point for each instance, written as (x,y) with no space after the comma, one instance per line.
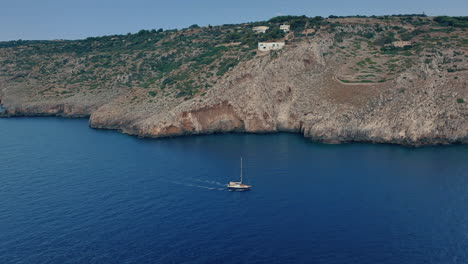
(266,46)
(285,28)
(260,29)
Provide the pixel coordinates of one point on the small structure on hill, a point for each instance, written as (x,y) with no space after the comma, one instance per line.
(285,28)
(260,29)
(267,46)
(401,44)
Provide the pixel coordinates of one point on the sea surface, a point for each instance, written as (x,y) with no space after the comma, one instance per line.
(71,194)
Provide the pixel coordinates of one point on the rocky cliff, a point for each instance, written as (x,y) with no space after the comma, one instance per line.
(337,85)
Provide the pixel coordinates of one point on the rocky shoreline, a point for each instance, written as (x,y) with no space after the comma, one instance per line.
(329,136)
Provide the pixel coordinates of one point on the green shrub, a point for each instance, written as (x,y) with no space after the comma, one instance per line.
(407,53)
(460,100)
(388,38)
(410,35)
(225,65)
(168,81)
(340,36)
(452,21)
(367,35)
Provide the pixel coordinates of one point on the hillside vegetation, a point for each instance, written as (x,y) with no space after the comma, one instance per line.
(185,63)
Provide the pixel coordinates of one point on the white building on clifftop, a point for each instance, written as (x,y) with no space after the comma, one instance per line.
(260,29)
(285,28)
(266,46)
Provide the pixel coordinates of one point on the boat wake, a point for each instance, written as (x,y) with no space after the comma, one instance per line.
(215,186)
(211,182)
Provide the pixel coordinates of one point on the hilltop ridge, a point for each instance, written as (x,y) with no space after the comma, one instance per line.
(337,79)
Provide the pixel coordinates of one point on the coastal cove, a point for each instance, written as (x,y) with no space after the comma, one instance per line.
(74,194)
(397,79)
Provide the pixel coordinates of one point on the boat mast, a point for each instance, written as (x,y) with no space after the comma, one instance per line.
(241,170)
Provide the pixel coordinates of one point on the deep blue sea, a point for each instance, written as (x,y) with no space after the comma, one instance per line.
(71,194)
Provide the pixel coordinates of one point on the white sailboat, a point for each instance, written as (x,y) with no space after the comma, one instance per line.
(239,186)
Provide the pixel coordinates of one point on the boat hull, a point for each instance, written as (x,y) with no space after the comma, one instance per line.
(239,188)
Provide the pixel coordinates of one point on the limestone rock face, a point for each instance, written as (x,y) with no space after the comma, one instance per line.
(295,90)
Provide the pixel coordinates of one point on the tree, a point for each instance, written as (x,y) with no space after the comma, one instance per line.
(233,37)
(298,24)
(452,21)
(316,20)
(272,34)
(283,19)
